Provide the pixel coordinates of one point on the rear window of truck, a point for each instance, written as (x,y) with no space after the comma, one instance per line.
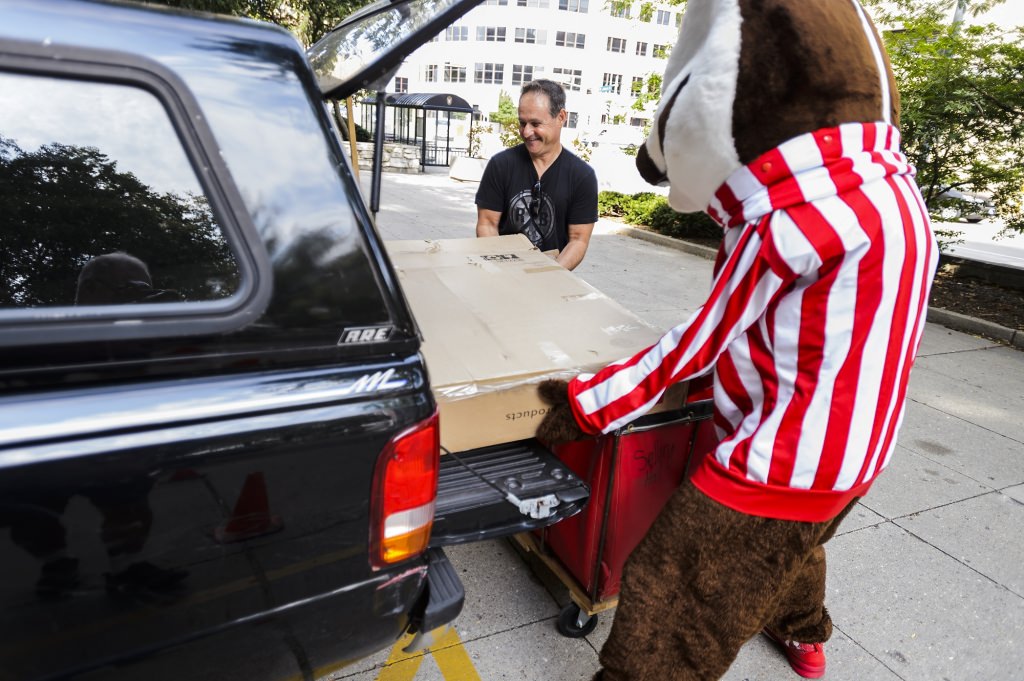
(101,204)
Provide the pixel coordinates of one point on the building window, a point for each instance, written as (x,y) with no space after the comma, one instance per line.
(456,33)
(401,84)
(636,88)
(580,6)
(571,79)
(565,39)
(661,51)
(490,34)
(616,44)
(619,8)
(430,73)
(572,120)
(542,4)
(488,72)
(612,82)
(638,122)
(679,19)
(503,3)
(531,36)
(454,74)
(641,49)
(663,17)
(523,74)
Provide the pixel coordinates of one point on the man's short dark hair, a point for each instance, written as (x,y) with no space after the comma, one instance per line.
(113,279)
(554,91)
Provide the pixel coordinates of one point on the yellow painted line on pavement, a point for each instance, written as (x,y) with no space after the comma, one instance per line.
(452,658)
(449,654)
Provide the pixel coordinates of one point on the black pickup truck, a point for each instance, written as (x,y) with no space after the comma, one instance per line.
(219,451)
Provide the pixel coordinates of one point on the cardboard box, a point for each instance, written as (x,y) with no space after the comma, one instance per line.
(497,317)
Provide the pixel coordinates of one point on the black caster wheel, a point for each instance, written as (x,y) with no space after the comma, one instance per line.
(574,623)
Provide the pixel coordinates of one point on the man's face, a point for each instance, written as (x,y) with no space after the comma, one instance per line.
(539,129)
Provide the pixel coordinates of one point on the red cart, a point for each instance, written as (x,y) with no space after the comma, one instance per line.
(631,474)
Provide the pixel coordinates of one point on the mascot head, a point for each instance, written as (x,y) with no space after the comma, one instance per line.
(747,75)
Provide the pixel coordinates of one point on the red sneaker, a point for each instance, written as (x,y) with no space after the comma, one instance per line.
(806,659)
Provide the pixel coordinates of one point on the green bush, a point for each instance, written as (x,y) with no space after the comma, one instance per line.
(610,204)
(685,225)
(652,210)
(641,207)
(362,134)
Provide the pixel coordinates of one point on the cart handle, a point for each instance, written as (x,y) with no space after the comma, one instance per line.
(689,413)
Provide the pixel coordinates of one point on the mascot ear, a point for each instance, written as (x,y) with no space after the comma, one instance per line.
(558,425)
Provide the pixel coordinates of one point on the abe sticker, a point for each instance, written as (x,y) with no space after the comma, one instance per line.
(365,334)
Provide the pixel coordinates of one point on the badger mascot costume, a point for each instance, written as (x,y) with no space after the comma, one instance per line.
(778,118)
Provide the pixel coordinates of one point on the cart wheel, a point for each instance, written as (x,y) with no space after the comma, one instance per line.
(575,623)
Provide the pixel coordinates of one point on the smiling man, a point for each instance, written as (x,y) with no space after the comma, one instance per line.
(539,188)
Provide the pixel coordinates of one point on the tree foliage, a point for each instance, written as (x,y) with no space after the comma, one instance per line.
(507,118)
(67,204)
(309,20)
(962,101)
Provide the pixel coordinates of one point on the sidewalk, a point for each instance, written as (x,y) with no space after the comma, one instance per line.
(926,575)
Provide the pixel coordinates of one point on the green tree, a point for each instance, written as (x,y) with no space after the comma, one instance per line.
(309,20)
(507,118)
(962,101)
(581,149)
(645,93)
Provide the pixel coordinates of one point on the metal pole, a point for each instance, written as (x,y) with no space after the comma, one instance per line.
(378,154)
(448,140)
(609,492)
(352,136)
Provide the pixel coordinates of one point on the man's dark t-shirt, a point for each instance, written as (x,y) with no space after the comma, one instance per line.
(568,196)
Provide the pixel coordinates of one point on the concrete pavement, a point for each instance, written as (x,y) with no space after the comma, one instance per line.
(926,575)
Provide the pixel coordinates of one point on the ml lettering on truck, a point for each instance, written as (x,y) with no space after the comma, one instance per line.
(375,382)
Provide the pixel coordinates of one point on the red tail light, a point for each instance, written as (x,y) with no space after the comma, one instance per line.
(405,487)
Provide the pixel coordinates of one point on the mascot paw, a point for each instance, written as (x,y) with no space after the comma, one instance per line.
(558,425)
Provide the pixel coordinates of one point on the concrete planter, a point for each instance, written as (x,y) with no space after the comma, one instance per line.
(467,169)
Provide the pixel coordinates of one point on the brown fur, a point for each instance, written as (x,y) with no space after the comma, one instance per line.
(705,580)
(558,425)
(804,66)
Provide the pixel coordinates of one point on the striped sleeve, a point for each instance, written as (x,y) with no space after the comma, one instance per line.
(746,281)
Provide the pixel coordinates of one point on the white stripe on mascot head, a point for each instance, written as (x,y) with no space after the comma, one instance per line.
(747,75)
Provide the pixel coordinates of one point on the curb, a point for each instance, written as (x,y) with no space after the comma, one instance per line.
(667,241)
(947,318)
(977,327)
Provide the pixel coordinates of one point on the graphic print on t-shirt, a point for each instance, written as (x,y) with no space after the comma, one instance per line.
(536,228)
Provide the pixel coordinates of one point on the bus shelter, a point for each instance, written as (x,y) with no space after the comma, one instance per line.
(424,119)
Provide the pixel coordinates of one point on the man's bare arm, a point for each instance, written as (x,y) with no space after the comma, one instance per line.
(576,248)
(487,222)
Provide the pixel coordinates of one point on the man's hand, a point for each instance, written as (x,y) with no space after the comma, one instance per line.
(558,425)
